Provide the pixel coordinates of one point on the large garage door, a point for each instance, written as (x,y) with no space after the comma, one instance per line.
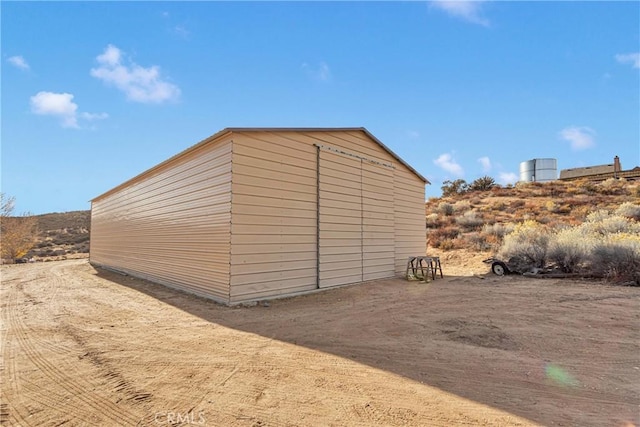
(355,219)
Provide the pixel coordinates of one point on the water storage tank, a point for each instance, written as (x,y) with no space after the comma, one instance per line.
(539,170)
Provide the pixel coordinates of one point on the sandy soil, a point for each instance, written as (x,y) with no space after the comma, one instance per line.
(88,347)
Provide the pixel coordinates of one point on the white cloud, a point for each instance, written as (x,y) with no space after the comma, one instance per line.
(61,105)
(629,58)
(446,162)
(138,83)
(413,134)
(19,62)
(505,178)
(469,11)
(94,116)
(322,72)
(580,137)
(181,31)
(486,164)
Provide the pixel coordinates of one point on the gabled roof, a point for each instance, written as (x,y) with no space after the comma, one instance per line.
(361,129)
(249,129)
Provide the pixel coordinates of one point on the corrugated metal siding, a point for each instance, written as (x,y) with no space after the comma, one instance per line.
(274,223)
(273,231)
(408,206)
(340,198)
(173,226)
(378,221)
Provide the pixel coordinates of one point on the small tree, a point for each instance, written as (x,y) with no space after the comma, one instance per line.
(451,188)
(17,233)
(484,183)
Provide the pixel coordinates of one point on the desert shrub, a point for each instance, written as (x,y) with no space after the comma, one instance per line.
(484,183)
(597,216)
(447,245)
(498,229)
(432,220)
(550,206)
(498,206)
(81,238)
(445,208)
(611,186)
(570,249)
(478,241)
(618,258)
(528,242)
(603,224)
(451,188)
(438,237)
(629,210)
(469,221)
(461,206)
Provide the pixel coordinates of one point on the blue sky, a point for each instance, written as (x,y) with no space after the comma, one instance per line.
(95,93)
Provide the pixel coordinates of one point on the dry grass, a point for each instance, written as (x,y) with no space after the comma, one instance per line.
(479,217)
(61,235)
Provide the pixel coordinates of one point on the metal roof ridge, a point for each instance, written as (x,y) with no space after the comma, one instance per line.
(258,129)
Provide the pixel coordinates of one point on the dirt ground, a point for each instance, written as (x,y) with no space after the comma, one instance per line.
(82,346)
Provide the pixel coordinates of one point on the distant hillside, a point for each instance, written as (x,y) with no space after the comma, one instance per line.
(477,220)
(62,234)
(471,220)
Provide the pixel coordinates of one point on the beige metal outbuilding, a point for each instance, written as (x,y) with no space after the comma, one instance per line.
(250,214)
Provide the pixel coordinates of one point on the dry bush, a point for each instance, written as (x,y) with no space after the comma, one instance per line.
(528,242)
(461,206)
(445,208)
(629,210)
(618,259)
(450,244)
(498,230)
(433,220)
(602,223)
(611,186)
(441,237)
(18,232)
(498,206)
(479,242)
(469,221)
(570,249)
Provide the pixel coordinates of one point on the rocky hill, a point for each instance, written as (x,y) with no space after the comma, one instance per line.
(62,235)
(472,221)
(465,227)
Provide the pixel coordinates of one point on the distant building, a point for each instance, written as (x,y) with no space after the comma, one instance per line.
(539,170)
(601,172)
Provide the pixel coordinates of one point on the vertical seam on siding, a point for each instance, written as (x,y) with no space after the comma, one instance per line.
(361,223)
(230,222)
(318,217)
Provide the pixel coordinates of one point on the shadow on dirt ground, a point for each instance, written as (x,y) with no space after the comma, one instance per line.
(556,353)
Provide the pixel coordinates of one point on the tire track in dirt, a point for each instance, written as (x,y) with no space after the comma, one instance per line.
(115,413)
(11,408)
